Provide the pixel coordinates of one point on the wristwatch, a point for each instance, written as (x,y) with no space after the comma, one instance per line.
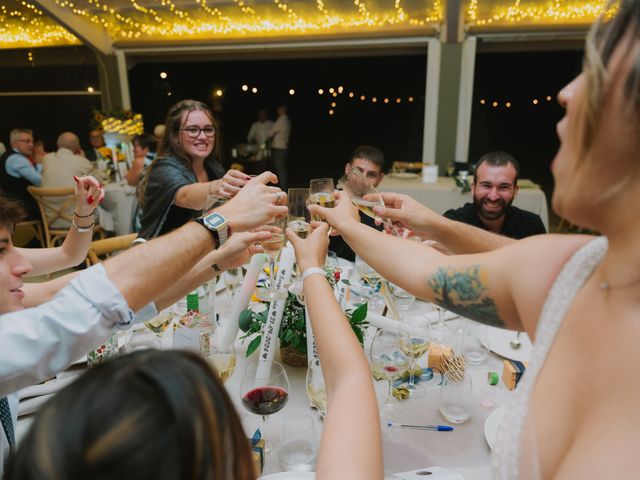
(217,225)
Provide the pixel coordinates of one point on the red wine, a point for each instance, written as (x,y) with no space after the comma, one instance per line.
(265,400)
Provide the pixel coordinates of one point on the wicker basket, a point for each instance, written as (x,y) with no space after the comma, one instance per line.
(292,357)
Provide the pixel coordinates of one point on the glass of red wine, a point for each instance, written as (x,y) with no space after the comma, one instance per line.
(265,391)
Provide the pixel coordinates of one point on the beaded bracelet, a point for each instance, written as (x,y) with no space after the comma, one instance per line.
(84,216)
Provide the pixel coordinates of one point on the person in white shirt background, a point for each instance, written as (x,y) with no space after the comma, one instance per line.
(259,131)
(279,135)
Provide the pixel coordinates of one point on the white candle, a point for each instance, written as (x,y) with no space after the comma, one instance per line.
(241,299)
(274,318)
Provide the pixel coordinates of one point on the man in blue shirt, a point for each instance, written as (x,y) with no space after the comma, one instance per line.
(17,172)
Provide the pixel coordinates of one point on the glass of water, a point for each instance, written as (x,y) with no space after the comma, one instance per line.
(456,396)
(300,447)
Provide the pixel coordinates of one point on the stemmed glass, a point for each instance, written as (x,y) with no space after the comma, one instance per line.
(321,193)
(439,328)
(264,396)
(413,335)
(316,389)
(364,195)
(222,358)
(387,361)
(299,216)
(272,248)
(232,278)
(160,323)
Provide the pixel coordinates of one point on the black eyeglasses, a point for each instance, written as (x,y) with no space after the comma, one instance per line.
(194,132)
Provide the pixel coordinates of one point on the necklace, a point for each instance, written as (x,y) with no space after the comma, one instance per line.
(606,286)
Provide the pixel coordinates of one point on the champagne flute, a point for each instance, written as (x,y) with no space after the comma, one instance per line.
(272,247)
(299,216)
(316,389)
(413,335)
(321,193)
(264,396)
(387,361)
(364,196)
(232,277)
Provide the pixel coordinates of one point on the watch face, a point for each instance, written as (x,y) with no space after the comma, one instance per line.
(215,220)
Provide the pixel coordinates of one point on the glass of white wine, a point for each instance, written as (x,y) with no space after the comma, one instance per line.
(159,324)
(272,248)
(364,195)
(321,193)
(299,216)
(413,335)
(222,358)
(316,389)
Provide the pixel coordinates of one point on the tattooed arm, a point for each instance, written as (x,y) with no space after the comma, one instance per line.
(505,287)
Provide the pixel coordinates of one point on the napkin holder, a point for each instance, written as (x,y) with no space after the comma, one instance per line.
(512,371)
(257,451)
(436,353)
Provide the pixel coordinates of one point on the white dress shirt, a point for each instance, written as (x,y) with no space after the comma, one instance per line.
(259,132)
(36,343)
(280,131)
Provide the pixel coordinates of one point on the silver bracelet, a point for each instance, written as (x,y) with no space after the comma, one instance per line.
(82,229)
(311,271)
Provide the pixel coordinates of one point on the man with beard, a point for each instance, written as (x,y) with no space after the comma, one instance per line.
(494,187)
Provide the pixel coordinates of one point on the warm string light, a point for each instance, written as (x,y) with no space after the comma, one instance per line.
(508,103)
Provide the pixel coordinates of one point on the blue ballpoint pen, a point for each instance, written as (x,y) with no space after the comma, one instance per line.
(437,428)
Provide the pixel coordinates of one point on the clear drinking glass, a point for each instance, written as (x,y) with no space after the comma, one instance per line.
(474,344)
(364,195)
(141,339)
(321,193)
(232,277)
(440,331)
(222,358)
(265,396)
(160,323)
(272,248)
(455,396)
(413,335)
(316,390)
(299,216)
(404,300)
(300,445)
(387,361)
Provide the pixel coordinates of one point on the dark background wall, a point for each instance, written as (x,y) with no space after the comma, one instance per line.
(320,143)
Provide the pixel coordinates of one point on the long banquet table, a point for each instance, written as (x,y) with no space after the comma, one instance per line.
(464,450)
(444,195)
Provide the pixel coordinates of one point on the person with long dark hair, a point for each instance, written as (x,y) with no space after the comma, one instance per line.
(186,170)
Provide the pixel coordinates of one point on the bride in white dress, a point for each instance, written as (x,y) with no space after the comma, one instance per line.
(576,412)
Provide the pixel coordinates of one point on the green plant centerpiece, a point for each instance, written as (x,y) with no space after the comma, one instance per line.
(293,330)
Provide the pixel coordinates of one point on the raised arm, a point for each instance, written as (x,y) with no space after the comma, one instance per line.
(457,237)
(195,195)
(74,249)
(505,287)
(352,406)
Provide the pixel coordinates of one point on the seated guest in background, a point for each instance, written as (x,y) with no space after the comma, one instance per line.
(38,342)
(39,152)
(17,172)
(144,152)
(494,187)
(60,167)
(194,431)
(96,140)
(185,171)
(370,161)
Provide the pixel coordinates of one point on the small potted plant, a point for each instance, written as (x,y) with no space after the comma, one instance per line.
(293,331)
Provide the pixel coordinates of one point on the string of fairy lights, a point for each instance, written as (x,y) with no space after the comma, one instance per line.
(26,25)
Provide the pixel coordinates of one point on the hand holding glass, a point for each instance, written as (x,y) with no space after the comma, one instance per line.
(272,247)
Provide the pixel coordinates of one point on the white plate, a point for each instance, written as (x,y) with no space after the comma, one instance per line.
(492,424)
(290,476)
(499,342)
(405,175)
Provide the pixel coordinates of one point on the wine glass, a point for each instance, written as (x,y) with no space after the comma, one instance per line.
(439,328)
(364,195)
(222,358)
(232,277)
(316,389)
(451,169)
(299,216)
(159,324)
(413,335)
(272,248)
(387,361)
(264,390)
(321,193)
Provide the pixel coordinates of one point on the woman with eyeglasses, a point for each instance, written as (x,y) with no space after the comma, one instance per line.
(186,170)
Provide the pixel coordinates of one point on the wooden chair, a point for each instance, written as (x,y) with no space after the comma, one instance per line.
(29,229)
(101,249)
(57,204)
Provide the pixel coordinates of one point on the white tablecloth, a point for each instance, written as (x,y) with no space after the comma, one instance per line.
(463,450)
(444,195)
(120,200)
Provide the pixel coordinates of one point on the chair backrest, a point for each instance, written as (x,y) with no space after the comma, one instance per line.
(54,204)
(100,249)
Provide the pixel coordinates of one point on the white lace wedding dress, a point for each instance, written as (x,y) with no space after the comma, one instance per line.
(515,455)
